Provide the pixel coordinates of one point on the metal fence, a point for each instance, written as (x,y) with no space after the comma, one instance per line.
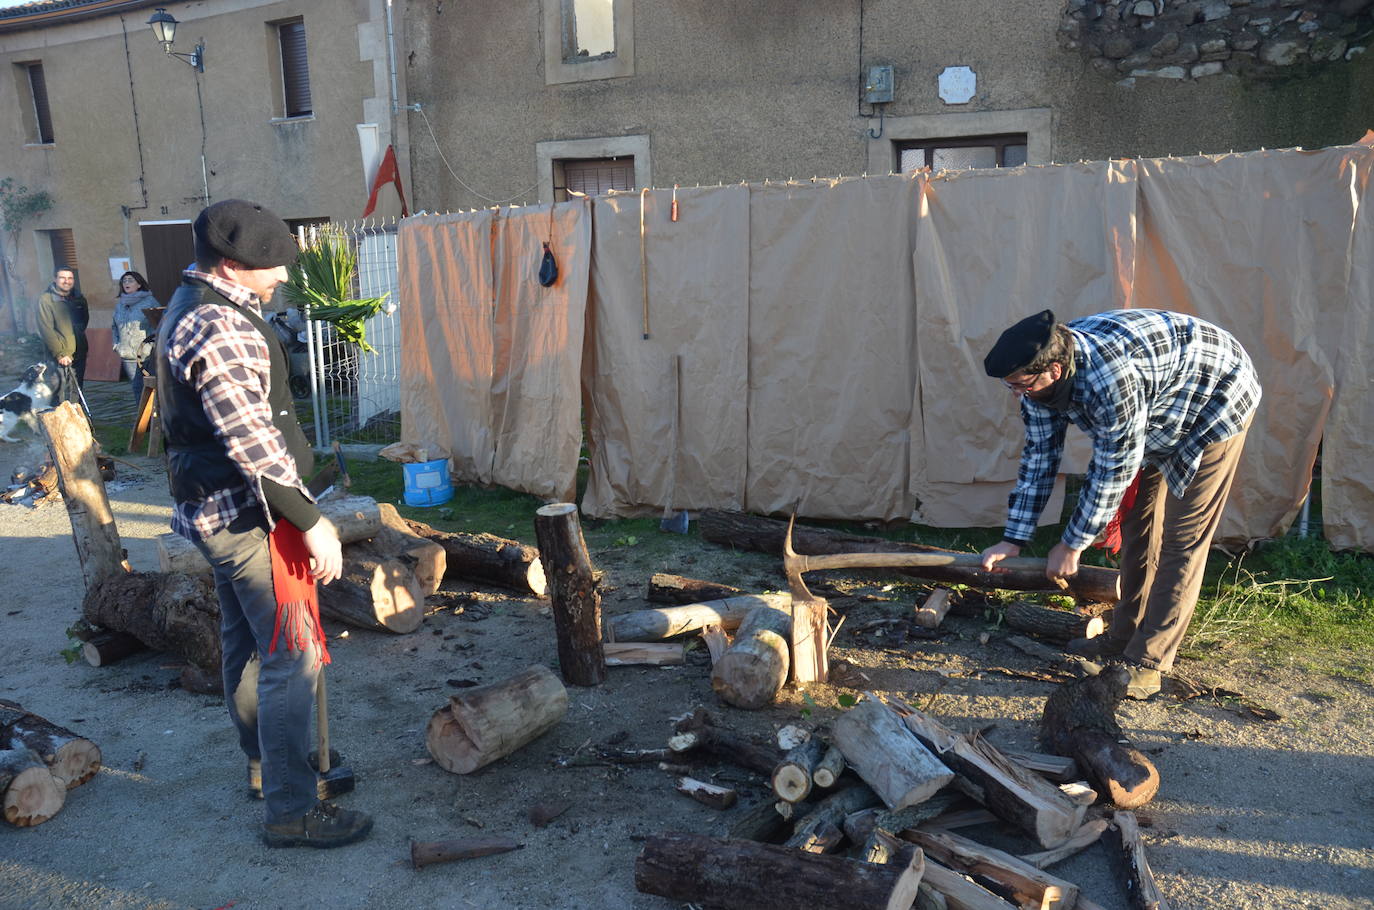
(355,395)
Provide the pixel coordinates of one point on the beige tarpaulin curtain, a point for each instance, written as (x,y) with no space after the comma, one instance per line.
(493,359)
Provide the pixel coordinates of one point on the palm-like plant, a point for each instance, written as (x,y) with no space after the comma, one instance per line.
(320,285)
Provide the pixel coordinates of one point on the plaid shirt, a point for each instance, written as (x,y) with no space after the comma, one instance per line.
(219,353)
(1150,387)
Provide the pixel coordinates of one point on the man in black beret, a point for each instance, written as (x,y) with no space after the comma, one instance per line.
(236,457)
(1167,399)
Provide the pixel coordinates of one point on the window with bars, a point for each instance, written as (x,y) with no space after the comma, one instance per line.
(592,176)
(38,116)
(295,71)
(1006,150)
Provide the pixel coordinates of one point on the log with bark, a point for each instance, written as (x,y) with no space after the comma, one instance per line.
(879,748)
(71,758)
(875,826)
(791,778)
(765,535)
(930,614)
(762,823)
(665,588)
(753,669)
(1128,854)
(829,768)
(830,813)
(575,601)
(68,434)
(481,725)
(488,559)
(397,540)
(707,794)
(1056,625)
(1012,792)
(104,648)
(379,594)
(960,893)
(1079,720)
(29,793)
(638,653)
(1014,879)
(698,731)
(167,612)
(745,875)
(669,622)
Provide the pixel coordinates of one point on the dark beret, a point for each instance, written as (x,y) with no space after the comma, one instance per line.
(246,233)
(1019,345)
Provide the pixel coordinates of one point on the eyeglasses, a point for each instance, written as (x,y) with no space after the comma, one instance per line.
(1023,385)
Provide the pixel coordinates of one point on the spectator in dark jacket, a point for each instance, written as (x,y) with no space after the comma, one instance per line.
(62,319)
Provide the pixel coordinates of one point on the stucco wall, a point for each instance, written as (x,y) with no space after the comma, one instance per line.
(730,90)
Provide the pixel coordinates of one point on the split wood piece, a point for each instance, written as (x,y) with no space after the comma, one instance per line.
(72,759)
(427,853)
(572,590)
(1079,792)
(1128,854)
(930,614)
(831,812)
(1056,625)
(823,837)
(745,875)
(707,794)
(396,539)
(676,589)
(1017,881)
(808,640)
(960,893)
(669,622)
(1012,792)
(488,559)
(629,654)
(1080,720)
(865,826)
(72,447)
(481,725)
(29,792)
(105,648)
(382,595)
(761,823)
(1058,768)
(717,642)
(881,849)
(829,768)
(959,818)
(884,753)
(167,612)
(766,535)
(753,669)
(1083,838)
(927,898)
(698,731)
(791,778)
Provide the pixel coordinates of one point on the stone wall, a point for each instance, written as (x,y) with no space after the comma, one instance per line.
(1194,39)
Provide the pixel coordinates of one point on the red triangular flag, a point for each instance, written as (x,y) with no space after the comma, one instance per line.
(388,174)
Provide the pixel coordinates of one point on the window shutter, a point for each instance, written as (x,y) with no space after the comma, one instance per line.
(594,176)
(63,248)
(43,117)
(295,73)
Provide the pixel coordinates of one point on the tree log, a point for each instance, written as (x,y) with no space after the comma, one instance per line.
(752,670)
(1057,625)
(356,517)
(628,654)
(745,875)
(698,731)
(930,614)
(382,595)
(675,589)
(1014,879)
(669,622)
(488,559)
(791,778)
(177,613)
(862,825)
(717,642)
(761,823)
(572,589)
(881,751)
(765,535)
(29,792)
(1012,792)
(829,768)
(397,540)
(105,648)
(443,851)
(83,491)
(959,892)
(1128,854)
(831,812)
(1079,720)
(484,724)
(71,758)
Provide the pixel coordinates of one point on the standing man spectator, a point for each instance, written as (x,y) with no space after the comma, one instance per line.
(1167,399)
(62,319)
(236,456)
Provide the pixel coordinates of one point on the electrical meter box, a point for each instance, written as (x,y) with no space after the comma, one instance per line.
(878,88)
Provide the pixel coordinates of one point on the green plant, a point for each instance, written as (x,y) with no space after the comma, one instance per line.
(320,284)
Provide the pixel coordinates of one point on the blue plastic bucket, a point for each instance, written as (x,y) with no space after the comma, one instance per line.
(427,483)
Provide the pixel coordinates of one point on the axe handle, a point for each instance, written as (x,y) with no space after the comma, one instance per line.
(322,722)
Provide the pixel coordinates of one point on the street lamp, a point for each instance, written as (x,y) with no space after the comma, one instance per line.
(165,29)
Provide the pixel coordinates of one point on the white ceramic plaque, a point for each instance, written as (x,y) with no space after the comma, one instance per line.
(958,85)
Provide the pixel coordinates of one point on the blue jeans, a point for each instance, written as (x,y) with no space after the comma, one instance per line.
(273,717)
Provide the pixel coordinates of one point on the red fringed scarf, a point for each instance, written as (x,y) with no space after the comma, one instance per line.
(298,603)
(1111,537)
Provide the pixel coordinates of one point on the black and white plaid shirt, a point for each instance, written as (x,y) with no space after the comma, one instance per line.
(1150,387)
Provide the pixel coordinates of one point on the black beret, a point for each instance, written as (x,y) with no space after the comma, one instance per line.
(246,233)
(1019,345)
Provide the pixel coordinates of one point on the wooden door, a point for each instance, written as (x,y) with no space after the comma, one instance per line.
(168,248)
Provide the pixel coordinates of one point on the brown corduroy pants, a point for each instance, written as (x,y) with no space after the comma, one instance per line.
(1164,543)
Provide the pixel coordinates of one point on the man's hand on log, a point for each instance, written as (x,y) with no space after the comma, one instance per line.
(1062,562)
(326,553)
(998,552)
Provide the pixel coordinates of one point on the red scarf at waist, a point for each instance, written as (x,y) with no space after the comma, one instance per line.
(298,602)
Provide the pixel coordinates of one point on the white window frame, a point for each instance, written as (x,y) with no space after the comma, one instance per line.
(621,63)
(546,153)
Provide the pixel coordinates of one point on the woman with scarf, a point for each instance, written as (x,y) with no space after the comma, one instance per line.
(132,334)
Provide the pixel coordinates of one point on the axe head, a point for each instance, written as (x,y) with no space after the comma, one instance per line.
(794,564)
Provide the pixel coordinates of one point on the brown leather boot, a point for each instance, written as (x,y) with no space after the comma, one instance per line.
(326,825)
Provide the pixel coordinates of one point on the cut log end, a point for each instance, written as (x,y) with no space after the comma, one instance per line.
(31,794)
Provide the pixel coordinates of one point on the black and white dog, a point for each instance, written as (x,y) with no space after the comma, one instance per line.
(33,395)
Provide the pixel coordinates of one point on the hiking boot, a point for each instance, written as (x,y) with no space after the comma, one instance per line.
(1100,646)
(255,778)
(326,825)
(1145,681)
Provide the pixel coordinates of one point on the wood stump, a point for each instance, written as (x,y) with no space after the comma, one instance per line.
(572,589)
(83,491)
(29,793)
(753,669)
(484,724)
(1079,721)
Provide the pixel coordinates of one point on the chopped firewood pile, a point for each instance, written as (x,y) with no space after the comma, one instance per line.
(39,762)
